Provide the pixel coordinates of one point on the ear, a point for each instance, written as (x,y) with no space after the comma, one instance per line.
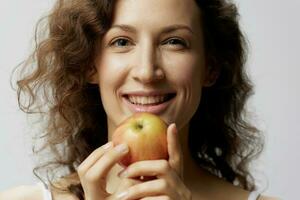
(211,77)
(92,75)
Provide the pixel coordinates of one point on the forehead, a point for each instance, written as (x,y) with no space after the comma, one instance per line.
(157,13)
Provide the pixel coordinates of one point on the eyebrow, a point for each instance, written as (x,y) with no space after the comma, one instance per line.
(165,30)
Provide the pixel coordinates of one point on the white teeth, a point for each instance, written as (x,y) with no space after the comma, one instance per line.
(144,100)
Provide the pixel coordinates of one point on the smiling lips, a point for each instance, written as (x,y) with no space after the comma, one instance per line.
(148,103)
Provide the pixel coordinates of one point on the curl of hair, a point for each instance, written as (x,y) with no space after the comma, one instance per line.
(227,142)
(75,120)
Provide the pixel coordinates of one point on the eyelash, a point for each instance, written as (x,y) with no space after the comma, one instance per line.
(181,42)
(118,39)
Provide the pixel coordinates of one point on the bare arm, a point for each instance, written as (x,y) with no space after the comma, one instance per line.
(31,192)
(22,192)
(268,198)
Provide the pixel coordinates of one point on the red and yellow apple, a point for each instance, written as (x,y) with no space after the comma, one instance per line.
(146,136)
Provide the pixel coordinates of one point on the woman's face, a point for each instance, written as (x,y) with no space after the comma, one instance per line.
(152,59)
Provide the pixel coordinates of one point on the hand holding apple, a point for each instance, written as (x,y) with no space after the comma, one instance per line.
(166,175)
(146,136)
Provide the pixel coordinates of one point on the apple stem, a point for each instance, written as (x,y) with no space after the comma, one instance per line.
(139,126)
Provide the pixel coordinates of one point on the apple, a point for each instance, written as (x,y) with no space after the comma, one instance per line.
(146,136)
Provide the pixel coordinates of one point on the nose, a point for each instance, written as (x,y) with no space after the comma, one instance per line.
(147,68)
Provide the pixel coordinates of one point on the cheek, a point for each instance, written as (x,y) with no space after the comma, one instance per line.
(111,71)
(186,74)
(111,76)
(187,70)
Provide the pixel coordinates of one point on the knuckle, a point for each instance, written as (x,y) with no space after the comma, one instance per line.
(112,155)
(89,177)
(80,170)
(129,170)
(165,167)
(138,189)
(176,158)
(109,158)
(127,183)
(163,185)
(106,158)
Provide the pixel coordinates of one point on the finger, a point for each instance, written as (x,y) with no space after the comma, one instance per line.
(126,183)
(152,188)
(174,149)
(144,168)
(101,168)
(93,157)
(123,186)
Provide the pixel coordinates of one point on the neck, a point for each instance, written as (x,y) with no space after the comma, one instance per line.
(191,171)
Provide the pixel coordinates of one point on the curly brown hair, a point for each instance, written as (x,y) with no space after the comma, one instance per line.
(57,88)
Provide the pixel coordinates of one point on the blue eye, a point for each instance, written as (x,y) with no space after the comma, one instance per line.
(121,42)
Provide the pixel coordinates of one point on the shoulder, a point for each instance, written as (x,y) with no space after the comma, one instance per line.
(32,192)
(23,192)
(224,188)
(221,189)
(268,198)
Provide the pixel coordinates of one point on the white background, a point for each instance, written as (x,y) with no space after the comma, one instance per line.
(273,30)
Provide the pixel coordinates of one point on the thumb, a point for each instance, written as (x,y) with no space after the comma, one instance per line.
(174,150)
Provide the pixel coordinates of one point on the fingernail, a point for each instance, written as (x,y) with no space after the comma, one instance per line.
(121,195)
(122,148)
(107,145)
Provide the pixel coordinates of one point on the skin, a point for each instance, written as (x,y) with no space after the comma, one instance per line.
(148,59)
(145,57)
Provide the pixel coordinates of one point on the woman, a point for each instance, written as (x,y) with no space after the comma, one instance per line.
(104,60)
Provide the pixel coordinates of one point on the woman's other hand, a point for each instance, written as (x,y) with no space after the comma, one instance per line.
(169,175)
(93,170)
